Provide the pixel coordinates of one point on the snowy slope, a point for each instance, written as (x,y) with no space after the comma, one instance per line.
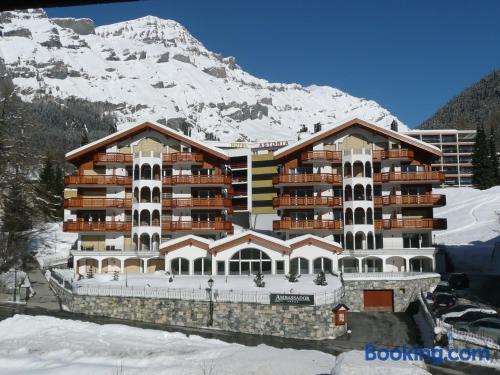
(46,345)
(155,69)
(473,216)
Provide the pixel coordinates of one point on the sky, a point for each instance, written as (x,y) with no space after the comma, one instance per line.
(409,56)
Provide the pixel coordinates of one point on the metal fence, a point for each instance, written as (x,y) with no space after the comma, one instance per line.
(388,275)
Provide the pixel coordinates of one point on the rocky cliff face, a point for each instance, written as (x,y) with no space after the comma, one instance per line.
(154,69)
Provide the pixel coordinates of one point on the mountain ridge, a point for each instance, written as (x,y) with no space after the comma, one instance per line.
(154,69)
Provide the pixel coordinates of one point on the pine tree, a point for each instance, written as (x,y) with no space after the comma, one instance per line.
(259,280)
(84,139)
(45,189)
(321,279)
(482,170)
(494,158)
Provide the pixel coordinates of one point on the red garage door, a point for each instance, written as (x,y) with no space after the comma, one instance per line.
(378,300)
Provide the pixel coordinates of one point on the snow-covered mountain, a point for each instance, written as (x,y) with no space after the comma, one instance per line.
(154,69)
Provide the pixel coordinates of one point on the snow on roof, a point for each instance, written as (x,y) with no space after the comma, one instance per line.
(162,127)
(184,238)
(246,233)
(342,122)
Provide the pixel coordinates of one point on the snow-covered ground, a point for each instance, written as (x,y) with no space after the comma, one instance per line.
(274,283)
(50,244)
(473,228)
(44,345)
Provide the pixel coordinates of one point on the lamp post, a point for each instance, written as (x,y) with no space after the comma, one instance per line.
(211,307)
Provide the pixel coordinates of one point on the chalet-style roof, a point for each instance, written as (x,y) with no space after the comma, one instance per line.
(250,236)
(136,129)
(347,123)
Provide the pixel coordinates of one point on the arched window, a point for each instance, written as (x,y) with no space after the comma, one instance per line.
(299,265)
(156,218)
(349,241)
(135,219)
(156,195)
(359,216)
(145,195)
(145,218)
(349,265)
(360,241)
(145,242)
(155,241)
(370,240)
(369,192)
(322,264)
(369,216)
(372,264)
(347,170)
(135,242)
(179,266)
(357,169)
(136,195)
(249,261)
(368,169)
(146,172)
(348,217)
(348,193)
(203,266)
(359,192)
(156,172)
(136,172)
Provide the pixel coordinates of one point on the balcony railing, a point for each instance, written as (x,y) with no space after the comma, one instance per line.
(97,226)
(197,180)
(436,224)
(183,157)
(215,203)
(312,178)
(410,200)
(321,156)
(429,176)
(288,201)
(287,224)
(112,158)
(393,154)
(98,180)
(225,226)
(78,202)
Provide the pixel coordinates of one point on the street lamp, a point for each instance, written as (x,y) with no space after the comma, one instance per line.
(211,316)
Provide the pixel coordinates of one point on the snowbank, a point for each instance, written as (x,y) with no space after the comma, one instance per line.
(354,363)
(44,345)
(51,245)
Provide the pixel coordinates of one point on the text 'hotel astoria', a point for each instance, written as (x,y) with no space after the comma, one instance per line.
(353,197)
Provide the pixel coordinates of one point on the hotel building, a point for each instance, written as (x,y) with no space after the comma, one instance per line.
(353,197)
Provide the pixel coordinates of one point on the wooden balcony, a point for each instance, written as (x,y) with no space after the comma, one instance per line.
(306,225)
(409,177)
(197,180)
(396,154)
(436,224)
(112,158)
(307,179)
(323,156)
(98,180)
(97,226)
(288,201)
(183,158)
(411,200)
(198,226)
(79,202)
(217,203)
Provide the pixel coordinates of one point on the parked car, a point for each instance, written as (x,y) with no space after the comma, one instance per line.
(487,327)
(469,316)
(443,301)
(458,281)
(456,309)
(442,287)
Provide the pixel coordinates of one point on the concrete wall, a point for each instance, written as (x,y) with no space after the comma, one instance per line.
(405,291)
(301,322)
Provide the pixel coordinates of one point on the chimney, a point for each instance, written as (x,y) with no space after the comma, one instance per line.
(317,127)
(394,125)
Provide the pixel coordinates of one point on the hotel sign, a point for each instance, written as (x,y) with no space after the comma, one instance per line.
(292,299)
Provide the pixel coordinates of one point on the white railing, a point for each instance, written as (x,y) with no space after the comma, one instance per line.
(474,338)
(388,275)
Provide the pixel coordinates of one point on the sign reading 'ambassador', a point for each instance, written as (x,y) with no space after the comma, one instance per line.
(292,299)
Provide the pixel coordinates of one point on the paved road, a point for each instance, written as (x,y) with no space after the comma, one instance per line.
(44,298)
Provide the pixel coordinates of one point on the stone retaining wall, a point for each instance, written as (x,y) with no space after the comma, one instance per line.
(301,322)
(405,290)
